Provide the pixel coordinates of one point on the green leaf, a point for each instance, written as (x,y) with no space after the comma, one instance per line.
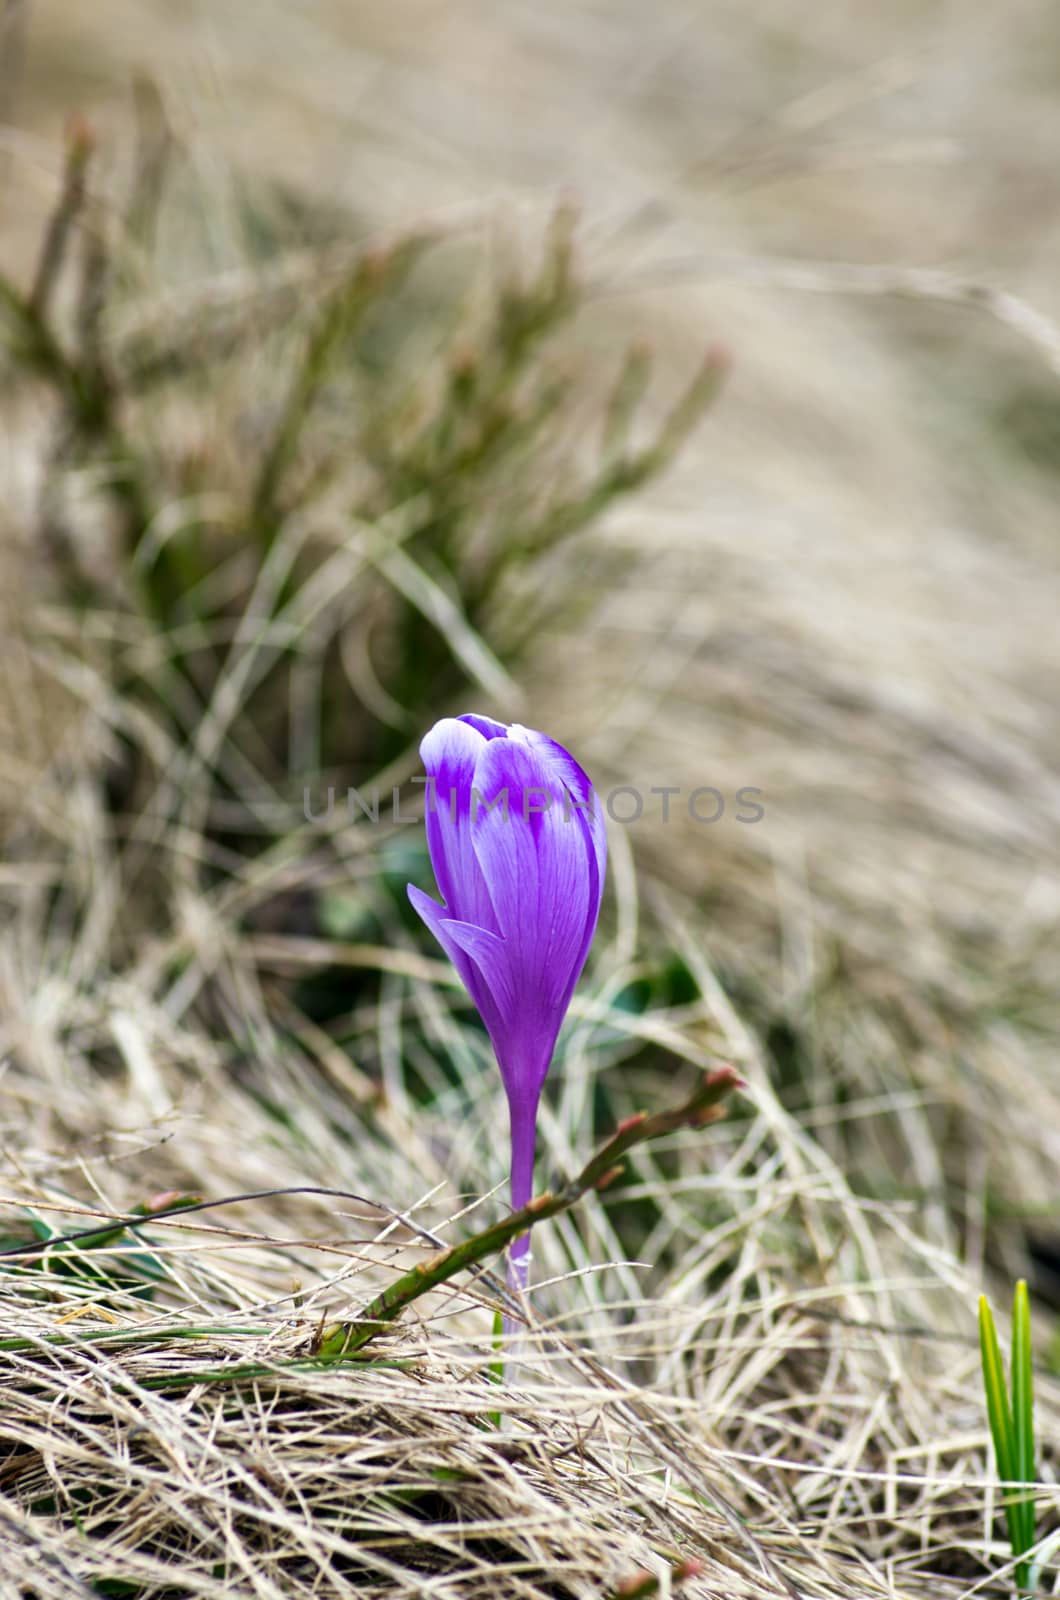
(999,1414)
(496,1367)
(1023,1411)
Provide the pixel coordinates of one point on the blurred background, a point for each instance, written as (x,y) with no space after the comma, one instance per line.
(682,380)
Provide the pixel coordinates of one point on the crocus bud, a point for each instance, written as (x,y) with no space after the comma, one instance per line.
(519,852)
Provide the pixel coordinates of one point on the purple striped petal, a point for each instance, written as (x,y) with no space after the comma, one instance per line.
(541,872)
(493,970)
(448,934)
(485,725)
(582,800)
(450,752)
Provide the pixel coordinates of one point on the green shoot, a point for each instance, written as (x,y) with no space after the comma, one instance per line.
(496,1368)
(1012,1422)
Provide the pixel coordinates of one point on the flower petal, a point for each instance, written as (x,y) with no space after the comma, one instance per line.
(540,869)
(584,798)
(450,752)
(491,956)
(453,938)
(485,725)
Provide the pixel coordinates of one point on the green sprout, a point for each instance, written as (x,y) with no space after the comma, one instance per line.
(1012,1422)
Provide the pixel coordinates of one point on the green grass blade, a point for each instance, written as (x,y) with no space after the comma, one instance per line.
(496,1367)
(1023,1411)
(1000,1416)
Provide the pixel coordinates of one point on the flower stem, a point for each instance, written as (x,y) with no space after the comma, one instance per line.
(523,1122)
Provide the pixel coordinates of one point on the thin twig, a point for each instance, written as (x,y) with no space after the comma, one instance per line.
(704,1106)
(80,143)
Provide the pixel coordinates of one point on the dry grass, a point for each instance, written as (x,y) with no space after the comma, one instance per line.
(758,1351)
(786,1371)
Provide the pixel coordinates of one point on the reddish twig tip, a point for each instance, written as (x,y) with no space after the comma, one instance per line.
(608,1177)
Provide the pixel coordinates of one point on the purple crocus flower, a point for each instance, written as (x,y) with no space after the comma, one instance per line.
(519,852)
